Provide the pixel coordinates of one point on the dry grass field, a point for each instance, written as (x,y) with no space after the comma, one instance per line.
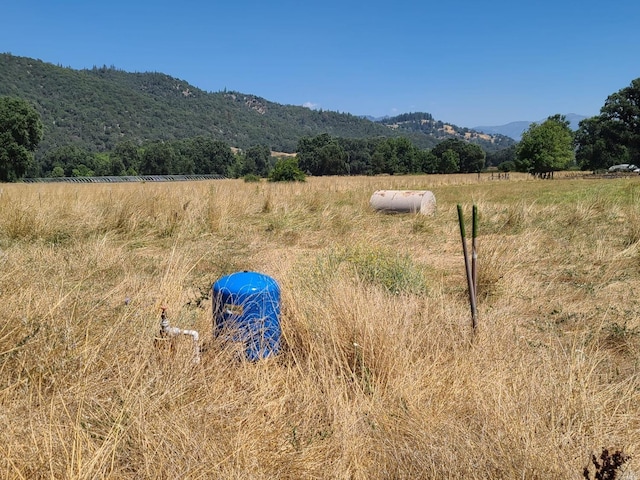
(380,375)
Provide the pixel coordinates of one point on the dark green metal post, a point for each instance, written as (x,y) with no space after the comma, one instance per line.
(474,252)
(472,295)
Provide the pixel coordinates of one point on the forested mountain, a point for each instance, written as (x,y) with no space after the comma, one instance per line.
(96,109)
(419,123)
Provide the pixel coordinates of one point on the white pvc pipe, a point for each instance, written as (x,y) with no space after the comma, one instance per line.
(412,201)
(168,331)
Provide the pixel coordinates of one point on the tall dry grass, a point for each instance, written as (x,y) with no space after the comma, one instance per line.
(380,375)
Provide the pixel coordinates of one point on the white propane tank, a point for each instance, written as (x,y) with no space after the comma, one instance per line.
(413,201)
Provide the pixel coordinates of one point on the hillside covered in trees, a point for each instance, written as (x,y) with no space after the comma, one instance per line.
(420,123)
(96,109)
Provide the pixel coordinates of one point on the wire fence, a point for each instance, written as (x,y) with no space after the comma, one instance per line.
(124,179)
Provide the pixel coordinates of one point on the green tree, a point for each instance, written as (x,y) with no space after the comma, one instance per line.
(69,158)
(82,171)
(358,152)
(286,170)
(125,157)
(396,156)
(57,172)
(209,155)
(332,158)
(116,166)
(546,147)
(103,165)
(20,134)
(501,156)
(471,157)
(507,166)
(623,110)
(449,162)
(321,155)
(428,161)
(614,135)
(406,154)
(598,144)
(256,160)
(384,158)
(158,159)
(183,163)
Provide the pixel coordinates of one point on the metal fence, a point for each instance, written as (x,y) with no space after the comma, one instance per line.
(124,179)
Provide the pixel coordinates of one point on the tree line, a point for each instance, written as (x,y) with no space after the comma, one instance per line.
(610,138)
(198,155)
(613,136)
(326,155)
(319,155)
(601,141)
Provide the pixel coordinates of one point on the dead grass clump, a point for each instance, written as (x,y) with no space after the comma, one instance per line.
(621,337)
(508,219)
(21,224)
(631,227)
(498,257)
(30,217)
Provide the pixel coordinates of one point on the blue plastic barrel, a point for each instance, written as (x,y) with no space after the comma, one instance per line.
(246,308)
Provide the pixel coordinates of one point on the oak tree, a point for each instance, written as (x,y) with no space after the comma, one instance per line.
(546,147)
(20,134)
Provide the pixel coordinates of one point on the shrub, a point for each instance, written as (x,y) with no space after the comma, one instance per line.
(507,166)
(286,170)
(251,178)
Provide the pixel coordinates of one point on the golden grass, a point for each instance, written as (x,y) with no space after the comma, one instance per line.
(379,377)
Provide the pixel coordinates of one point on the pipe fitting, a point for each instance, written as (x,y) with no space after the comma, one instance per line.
(167,331)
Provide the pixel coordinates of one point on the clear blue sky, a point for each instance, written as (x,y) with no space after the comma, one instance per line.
(466,62)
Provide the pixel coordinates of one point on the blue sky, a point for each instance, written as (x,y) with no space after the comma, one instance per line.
(466,62)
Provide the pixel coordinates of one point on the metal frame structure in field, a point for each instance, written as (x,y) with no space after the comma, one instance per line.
(125,179)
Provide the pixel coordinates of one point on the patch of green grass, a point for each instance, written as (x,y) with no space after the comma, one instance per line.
(394,271)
